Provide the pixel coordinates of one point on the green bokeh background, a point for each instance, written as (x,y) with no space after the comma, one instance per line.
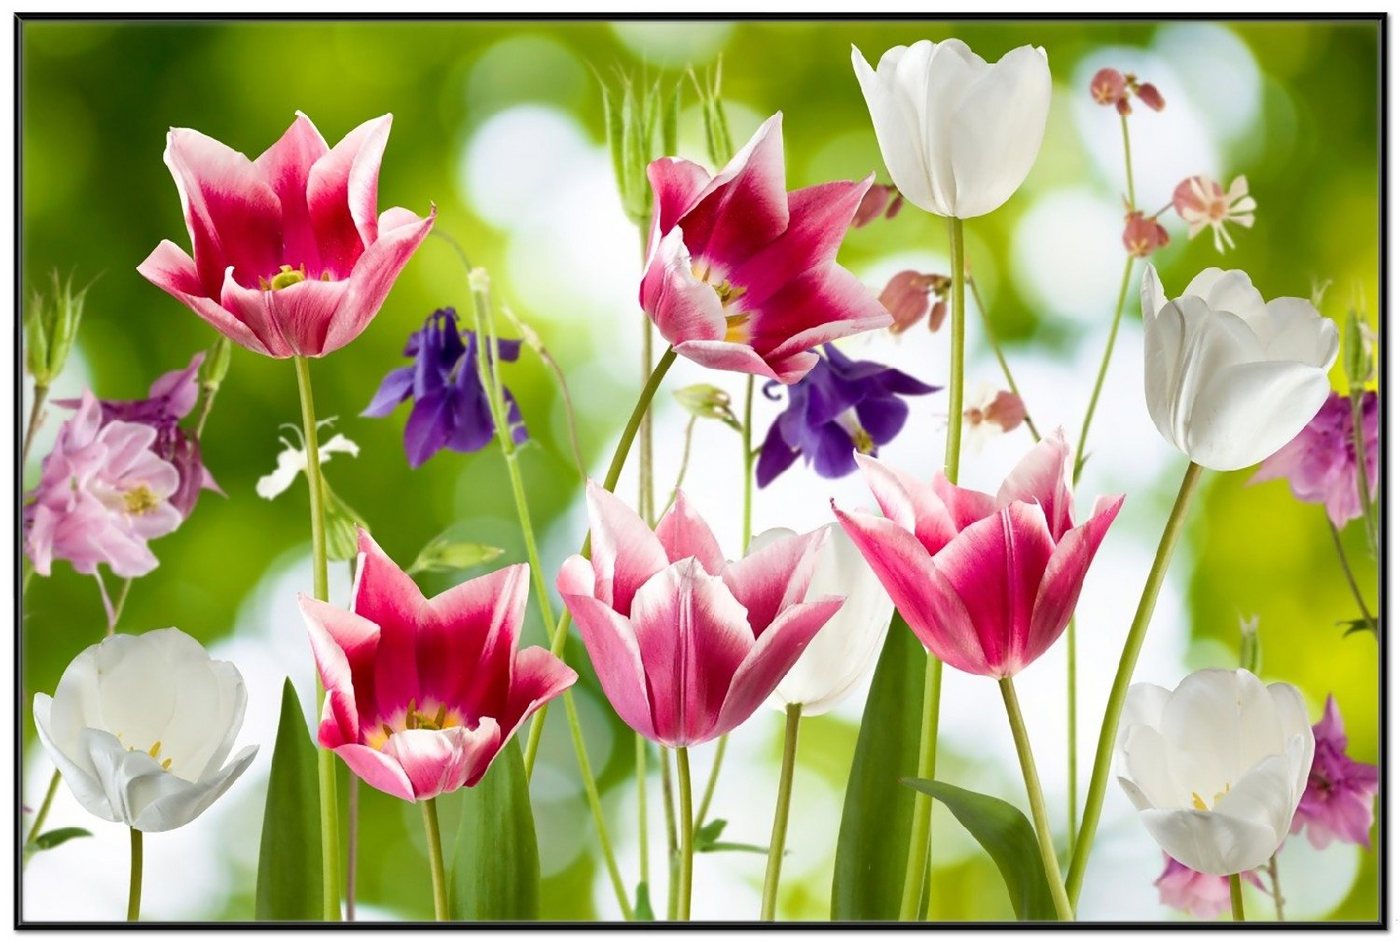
(98,98)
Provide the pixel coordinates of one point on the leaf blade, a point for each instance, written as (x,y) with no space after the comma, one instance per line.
(496,861)
(289,857)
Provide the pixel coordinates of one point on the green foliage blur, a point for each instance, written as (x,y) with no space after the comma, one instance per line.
(97,99)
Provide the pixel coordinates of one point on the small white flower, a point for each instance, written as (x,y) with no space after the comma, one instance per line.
(1217,767)
(140,727)
(844,650)
(1230,380)
(291,461)
(1201,202)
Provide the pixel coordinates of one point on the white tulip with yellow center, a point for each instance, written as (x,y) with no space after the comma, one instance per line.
(140,727)
(1217,767)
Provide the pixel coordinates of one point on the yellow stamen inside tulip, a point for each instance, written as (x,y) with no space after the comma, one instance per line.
(140,499)
(165,764)
(1200,805)
(286,278)
(736,328)
(414,719)
(154,751)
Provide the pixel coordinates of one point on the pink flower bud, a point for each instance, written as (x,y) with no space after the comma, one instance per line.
(1143,236)
(1005,409)
(1125,108)
(1108,86)
(909,297)
(1147,93)
(874,204)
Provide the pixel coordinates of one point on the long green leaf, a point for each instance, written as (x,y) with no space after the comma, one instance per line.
(873,846)
(496,867)
(1007,837)
(289,862)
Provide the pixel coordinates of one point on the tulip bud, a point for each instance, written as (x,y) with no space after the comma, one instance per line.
(216,363)
(444,555)
(50,327)
(1108,87)
(1356,352)
(708,402)
(1251,649)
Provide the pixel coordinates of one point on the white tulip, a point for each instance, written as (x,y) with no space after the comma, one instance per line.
(843,652)
(1230,380)
(958,135)
(140,727)
(1216,768)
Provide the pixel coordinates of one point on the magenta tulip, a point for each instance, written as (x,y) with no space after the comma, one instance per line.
(687,646)
(986,583)
(741,274)
(291,257)
(421,694)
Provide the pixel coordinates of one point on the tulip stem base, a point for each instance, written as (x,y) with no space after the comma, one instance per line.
(1236,898)
(687,850)
(673,854)
(133,897)
(325,759)
(917,861)
(778,840)
(435,865)
(1043,835)
(1127,662)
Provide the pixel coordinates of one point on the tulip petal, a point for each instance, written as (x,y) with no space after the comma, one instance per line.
(438,761)
(823,305)
(1295,331)
(909,503)
(73,763)
(1219,723)
(380,770)
(612,648)
(165,805)
(684,308)
(740,358)
(344,646)
(374,274)
(684,533)
(1064,577)
(1145,770)
(174,272)
(625,552)
(466,642)
(676,186)
(897,125)
(1255,410)
(1267,795)
(774,577)
(1039,478)
(1292,715)
(537,676)
(291,321)
(771,658)
(1209,842)
(996,130)
(745,206)
(342,195)
(388,597)
(285,166)
(1230,291)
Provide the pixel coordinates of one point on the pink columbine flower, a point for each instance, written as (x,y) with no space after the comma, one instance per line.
(911,296)
(742,275)
(1204,896)
(986,583)
(291,257)
(1201,202)
(1108,87)
(103,494)
(881,199)
(1143,236)
(686,645)
(1338,804)
(421,694)
(1320,462)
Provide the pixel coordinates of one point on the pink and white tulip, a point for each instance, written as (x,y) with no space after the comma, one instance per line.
(421,694)
(987,583)
(291,256)
(686,645)
(741,274)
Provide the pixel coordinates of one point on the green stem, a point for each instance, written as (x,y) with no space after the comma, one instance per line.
(1044,838)
(917,859)
(1078,465)
(1001,357)
(44,808)
(1275,887)
(687,855)
(673,854)
(1128,162)
(955,366)
(644,853)
(1363,482)
(325,759)
(36,419)
(708,795)
(1132,646)
(133,897)
(645,507)
(1346,571)
(1072,719)
(435,866)
(778,840)
(1236,898)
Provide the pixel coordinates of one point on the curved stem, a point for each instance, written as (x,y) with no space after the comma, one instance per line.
(1128,162)
(1236,898)
(36,419)
(1001,357)
(44,808)
(709,793)
(435,866)
(1103,370)
(325,759)
(1275,887)
(1132,646)
(1347,572)
(1044,838)
(687,856)
(133,896)
(1363,482)
(917,860)
(778,839)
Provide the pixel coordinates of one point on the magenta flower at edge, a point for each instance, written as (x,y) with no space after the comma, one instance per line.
(421,694)
(686,645)
(102,495)
(291,257)
(1204,896)
(1339,801)
(986,583)
(1320,461)
(741,274)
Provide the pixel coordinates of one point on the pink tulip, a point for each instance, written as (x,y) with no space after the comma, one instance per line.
(103,494)
(423,693)
(290,258)
(686,645)
(741,275)
(986,583)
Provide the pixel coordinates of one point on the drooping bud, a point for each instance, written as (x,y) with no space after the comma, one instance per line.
(911,296)
(708,402)
(880,200)
(443,554)
(1147,94)
(1357,359)
(216,363)
(1143,236)
(50,328)
(1108,87)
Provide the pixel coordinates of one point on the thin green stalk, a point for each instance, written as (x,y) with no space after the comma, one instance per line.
(644,854)
(352,819)
(1236,898)
(36,419)
(957,339)
(1128,162)
(435,866)
(44,808)
(673,853)
(1347,572)
(1043,835)
(325,759)
(1275,887)
(1132,646)
(1363,482)
(687,856)
(778,841)
(709,794)
(133,896)
(1072,718)
(1001,357)
(917,860)
(1103,370)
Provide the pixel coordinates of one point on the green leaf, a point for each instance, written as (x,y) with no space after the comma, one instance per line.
(872,848)
(710,832)
(443,555)
(1007,837)
(289,861)
(496,865)
(670,122)
(342,539)
(56,837)
(642,908)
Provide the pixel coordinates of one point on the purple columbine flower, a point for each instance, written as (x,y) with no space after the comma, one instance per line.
(451,409)
(1338,803)
(1320,462)
(842,406)
(170,399)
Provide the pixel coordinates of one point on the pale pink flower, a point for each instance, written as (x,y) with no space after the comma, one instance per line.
(1339,802)
(1201,202)
(1204,896)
